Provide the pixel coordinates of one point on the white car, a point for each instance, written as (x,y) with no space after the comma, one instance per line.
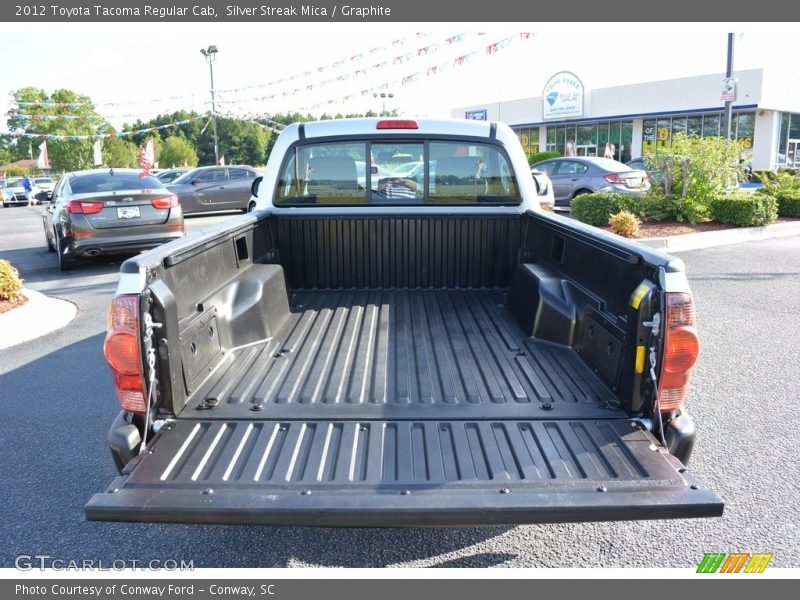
(44,183)
(14,192)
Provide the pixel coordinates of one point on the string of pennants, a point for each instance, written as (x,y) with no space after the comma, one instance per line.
(442,67)
(400,59)
(100,136)
(431,71)
(320,69)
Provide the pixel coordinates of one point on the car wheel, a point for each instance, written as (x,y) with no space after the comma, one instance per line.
(581,193)
(65,263)
(251,206)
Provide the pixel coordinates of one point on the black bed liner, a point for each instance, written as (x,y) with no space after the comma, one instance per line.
(403,408)
(378,354)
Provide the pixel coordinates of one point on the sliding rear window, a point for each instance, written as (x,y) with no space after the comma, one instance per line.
(397,173)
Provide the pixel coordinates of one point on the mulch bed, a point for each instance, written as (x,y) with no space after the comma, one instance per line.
(656,229)
(6,305)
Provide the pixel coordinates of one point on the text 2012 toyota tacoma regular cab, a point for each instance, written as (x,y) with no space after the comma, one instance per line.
(399,335)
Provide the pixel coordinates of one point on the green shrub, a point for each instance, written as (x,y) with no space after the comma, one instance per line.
(785,188)
(656,205)
(596,209)
(788,203)
(745,209)
(765,176)
(536,157)
(10,282)
(624,223)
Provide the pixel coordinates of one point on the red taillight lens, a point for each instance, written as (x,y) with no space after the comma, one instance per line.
(681,349)
(76,207)
(397,124)
(166,202)
(122,350)
(614,178)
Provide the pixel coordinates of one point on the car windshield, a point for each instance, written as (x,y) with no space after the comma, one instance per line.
(43,180)
(186,177)
(14,182)
(113,182)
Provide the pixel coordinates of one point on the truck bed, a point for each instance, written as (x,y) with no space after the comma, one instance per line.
(405,354)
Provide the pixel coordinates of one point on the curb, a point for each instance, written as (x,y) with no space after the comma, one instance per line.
(710,239)
(39,316)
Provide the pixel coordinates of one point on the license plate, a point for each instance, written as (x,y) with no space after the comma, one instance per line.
(128,212)
(635,182)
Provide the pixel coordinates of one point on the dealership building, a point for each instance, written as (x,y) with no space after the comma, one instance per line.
(635,120)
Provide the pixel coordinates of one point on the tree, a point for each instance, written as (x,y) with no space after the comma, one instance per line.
(63,113)
(177,151)
(120,153)
(696,172)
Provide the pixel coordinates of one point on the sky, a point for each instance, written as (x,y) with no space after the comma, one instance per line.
(144,65)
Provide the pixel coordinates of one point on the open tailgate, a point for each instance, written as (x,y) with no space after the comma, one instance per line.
(403,473)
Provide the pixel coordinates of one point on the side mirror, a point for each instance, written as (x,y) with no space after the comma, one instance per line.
(254,186)
(194,181)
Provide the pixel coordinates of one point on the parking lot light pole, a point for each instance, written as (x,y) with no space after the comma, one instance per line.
(729,74)
(210,54)
(383,96)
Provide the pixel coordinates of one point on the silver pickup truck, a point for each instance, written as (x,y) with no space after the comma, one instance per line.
(380,349)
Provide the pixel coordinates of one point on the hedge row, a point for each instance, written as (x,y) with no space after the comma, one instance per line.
(745,209)
(597,209)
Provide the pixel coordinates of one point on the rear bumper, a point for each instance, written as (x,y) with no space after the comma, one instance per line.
(101,245)
(396,508)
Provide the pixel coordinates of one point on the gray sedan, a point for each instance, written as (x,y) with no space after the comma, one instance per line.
(108,211)
(207,189)
(575,175)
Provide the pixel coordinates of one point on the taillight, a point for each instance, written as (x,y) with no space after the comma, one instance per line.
(397,124)
(681,349)
(76,207)
(165,202)
(122,350)
(614,178)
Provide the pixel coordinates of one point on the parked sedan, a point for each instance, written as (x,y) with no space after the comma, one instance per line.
(166,176)
(14,192)
(109,211)
(575,175)
(45,184)
(642,164)
(207,189)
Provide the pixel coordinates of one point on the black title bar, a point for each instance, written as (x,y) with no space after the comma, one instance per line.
(416,11)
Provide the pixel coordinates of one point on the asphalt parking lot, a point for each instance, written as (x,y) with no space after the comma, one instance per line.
(58,402)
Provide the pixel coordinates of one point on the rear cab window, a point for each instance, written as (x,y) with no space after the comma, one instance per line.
(402,172)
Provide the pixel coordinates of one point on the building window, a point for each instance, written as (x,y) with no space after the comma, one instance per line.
(624,148)
(710,125)
(789,145)
(658,134)
(745,127)
(694,127)
(529,139)
(591,140)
